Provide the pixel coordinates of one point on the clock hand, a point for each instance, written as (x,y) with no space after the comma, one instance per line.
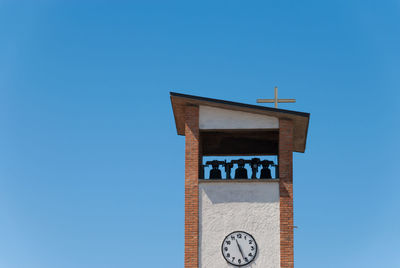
(240,249)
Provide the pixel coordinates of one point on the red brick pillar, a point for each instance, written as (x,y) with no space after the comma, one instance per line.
(286,191)
(192,164)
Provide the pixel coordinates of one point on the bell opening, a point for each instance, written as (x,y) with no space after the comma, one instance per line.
(239,167)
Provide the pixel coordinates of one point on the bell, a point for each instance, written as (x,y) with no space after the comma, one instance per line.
(265,171)
(228,166)
(241,172)
(254,163)
(215,172)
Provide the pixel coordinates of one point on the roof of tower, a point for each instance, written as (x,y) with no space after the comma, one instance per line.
(300,119)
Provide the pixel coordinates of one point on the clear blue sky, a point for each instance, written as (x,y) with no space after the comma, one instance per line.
(91,168)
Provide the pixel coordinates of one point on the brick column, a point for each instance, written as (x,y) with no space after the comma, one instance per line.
(286,191)
(192,163)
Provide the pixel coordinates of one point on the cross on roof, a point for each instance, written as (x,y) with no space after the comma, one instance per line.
(276,100)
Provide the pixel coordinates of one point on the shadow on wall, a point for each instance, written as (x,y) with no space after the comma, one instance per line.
(241,192)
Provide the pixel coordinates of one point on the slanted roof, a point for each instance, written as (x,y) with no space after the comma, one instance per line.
(300,119)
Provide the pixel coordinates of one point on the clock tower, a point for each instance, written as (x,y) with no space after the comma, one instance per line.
(238,181)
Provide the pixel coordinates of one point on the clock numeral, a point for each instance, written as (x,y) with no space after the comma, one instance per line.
(245,237)
(228,242)
(232,237)
(252,247)
(250,254)
(250,242)
(246,259)
(239,261)
(225,248)
(228,255)
(239,235)
(233,258)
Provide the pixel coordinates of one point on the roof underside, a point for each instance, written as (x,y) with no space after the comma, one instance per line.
(300,119)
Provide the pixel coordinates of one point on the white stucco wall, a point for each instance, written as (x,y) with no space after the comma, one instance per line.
(217,118)
(251,207)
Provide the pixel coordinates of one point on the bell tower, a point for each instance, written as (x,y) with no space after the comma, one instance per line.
(238,181)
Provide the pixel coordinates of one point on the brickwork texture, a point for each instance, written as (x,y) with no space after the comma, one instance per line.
(286,191)
(192,164)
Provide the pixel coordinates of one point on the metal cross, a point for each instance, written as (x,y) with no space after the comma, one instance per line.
(276,100)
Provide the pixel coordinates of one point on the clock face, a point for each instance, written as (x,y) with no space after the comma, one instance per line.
(239,248)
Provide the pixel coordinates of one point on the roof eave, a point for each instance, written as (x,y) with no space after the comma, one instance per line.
(179,101)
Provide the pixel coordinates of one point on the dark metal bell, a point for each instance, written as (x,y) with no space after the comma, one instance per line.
(228,166)
(215,172)
(241,172)
(265,171)
(254,163)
